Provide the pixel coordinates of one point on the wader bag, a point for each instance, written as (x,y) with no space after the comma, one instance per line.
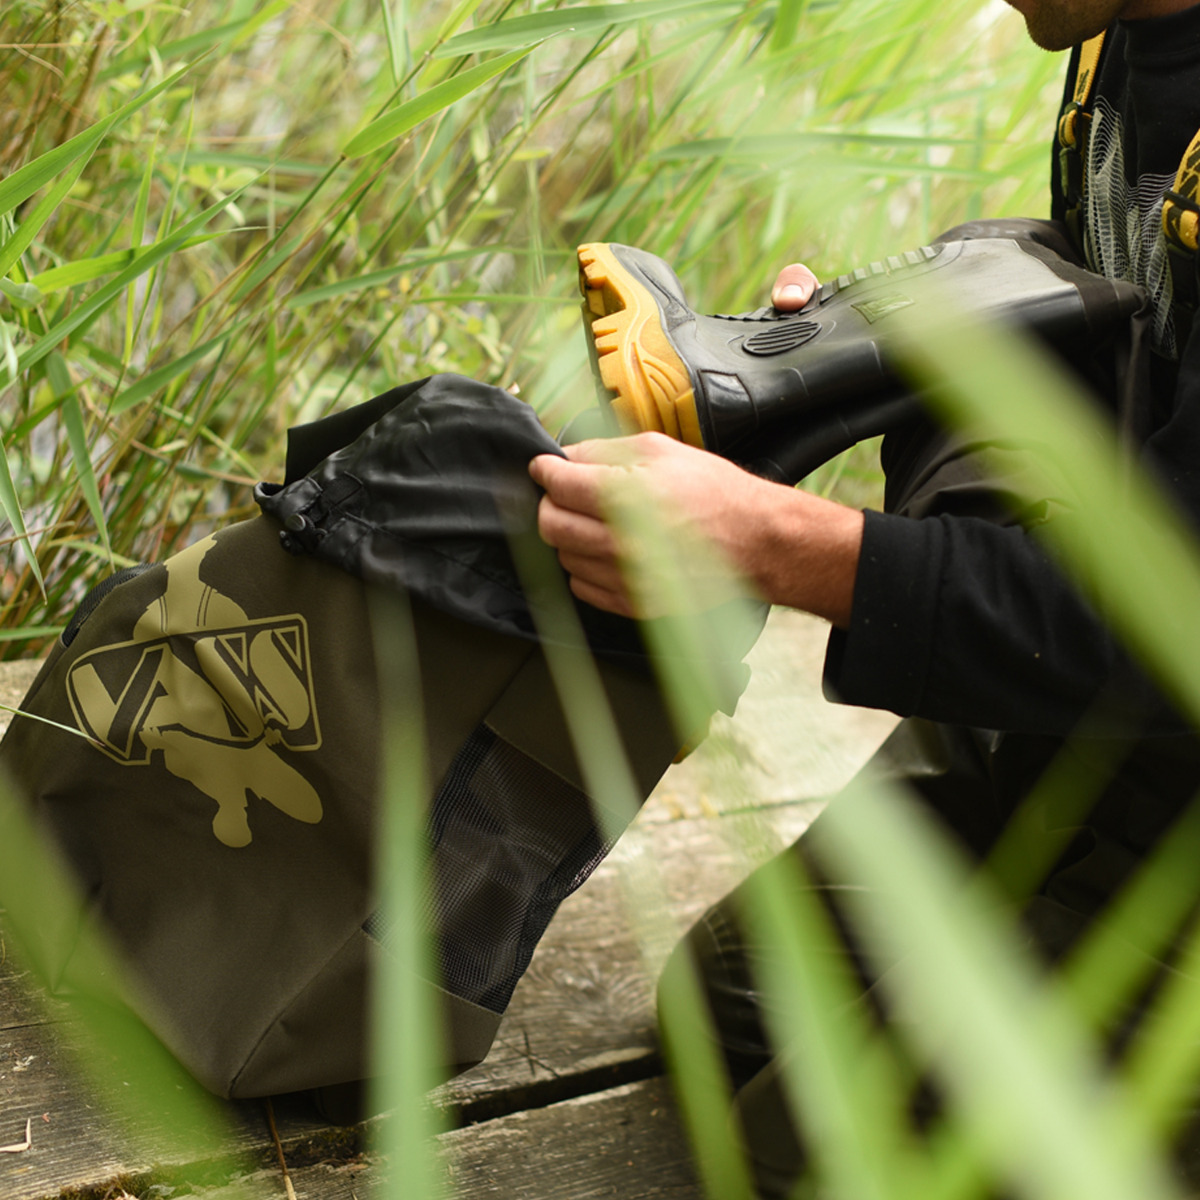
(222,821)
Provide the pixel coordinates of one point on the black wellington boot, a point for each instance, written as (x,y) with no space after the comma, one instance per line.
(784,392)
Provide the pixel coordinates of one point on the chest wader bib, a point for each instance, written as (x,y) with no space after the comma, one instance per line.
(222,822)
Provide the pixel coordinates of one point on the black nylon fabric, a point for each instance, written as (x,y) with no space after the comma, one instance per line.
(424,495)
(422,488)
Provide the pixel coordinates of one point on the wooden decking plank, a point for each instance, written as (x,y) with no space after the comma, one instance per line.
(82,1142)
(22,1000)
(624,1143)
(353,1180)
(74,1142)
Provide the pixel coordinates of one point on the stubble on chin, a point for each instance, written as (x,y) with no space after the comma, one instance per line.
(1061,24)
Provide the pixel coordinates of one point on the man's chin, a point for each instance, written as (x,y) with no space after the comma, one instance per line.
(1053,40)
(1052,28)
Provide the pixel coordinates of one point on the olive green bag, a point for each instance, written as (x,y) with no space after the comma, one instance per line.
(221,822)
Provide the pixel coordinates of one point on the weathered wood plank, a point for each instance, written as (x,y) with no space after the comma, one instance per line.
(74,1141)
(624,1143)
(352,1180)
(82,1141)
(22,1000)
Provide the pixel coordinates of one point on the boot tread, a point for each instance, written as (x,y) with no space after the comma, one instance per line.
(651,385)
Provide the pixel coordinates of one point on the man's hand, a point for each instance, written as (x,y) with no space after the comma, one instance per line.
(794,286)
(616,504)
(730,527)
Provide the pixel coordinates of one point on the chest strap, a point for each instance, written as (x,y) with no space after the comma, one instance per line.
(1181,228)
(1181,212)
(1073,127)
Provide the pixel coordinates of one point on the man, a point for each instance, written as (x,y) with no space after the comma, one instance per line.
(944,608)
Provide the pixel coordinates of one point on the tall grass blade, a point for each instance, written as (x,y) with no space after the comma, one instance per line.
(357,283)
(253,23)
(1129,549)
(202,43)
(1106,973)
(260,164)
(71,410)
(137,235)
(835,1070)
(45,208)
(407,1039)
(29,633)
(84,270)
(28,716)
(271,262)
(1005,1044)
(701,1087)
(585,20)
(79,318)
(21,295)
(788,148)
(700,1080)
(462,12)
(839,1075)
(156,380)
(787,24)
(398,121)
(10,504)
(1163,1065)
(1116,530)
(395,28)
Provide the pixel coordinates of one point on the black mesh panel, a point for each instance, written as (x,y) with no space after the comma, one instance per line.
(510,841)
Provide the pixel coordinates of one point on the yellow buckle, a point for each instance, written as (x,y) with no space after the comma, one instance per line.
(1181,225)
(1066,128)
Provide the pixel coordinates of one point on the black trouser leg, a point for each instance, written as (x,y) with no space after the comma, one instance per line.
(946,767)
(929,473)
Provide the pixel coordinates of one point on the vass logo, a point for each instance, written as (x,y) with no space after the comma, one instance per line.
(221,696)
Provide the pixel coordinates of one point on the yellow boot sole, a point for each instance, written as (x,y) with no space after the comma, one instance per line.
(651,387)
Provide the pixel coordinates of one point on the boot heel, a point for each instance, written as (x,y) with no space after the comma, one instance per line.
(651,386)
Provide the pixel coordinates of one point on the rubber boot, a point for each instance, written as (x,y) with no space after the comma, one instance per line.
(786,391)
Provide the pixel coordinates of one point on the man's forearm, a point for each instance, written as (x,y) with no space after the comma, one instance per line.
(793,548)
(803,552)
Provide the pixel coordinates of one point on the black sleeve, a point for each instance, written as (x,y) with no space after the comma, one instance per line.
(958,619)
